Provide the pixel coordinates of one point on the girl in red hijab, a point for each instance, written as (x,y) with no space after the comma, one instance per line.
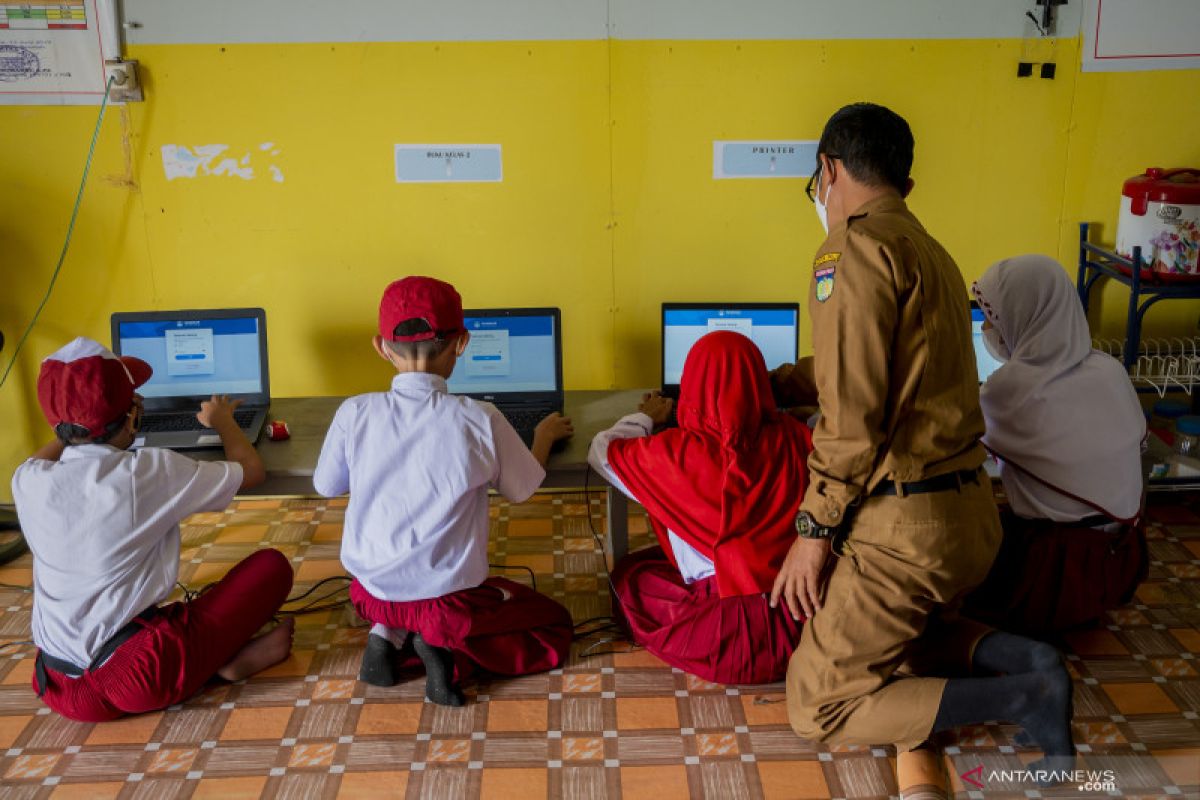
(721,491)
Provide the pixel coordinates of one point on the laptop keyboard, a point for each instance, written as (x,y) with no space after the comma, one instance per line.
(526,419)
(178,423)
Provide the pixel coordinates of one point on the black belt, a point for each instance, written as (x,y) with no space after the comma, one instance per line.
(119,638)
(939,483)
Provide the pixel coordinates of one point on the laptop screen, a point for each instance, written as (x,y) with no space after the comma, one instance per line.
(195,357)
(508,353)
(773,329)
(984,362)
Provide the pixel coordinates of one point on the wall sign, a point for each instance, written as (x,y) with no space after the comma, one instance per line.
(764,159)
(448,163)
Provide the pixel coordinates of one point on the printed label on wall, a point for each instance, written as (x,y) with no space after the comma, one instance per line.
(448,163)
(52,53)
(766,159)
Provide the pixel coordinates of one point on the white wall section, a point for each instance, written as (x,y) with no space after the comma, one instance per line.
(248,21)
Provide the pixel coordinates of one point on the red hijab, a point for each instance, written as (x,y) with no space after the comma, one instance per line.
(729,479)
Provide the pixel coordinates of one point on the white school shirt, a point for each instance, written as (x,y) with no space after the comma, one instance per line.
(693,565)
(103,526)
(418,463)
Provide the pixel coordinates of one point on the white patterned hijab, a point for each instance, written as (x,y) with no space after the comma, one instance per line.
(1058,408)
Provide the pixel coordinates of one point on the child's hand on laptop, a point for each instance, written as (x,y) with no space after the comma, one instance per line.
(554,427)
(656,407)
(217,410)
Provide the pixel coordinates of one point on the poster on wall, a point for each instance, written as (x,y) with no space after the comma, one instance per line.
(53,53)
(1135,35)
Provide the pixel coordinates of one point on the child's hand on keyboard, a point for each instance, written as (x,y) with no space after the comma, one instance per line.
(656,407)
(217,410)
(554,427)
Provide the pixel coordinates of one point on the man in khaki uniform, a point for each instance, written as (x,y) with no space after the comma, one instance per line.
(897,482)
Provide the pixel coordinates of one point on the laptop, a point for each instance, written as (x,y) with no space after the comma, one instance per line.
(774,327)
(196,354)
(985,363)
(514,361)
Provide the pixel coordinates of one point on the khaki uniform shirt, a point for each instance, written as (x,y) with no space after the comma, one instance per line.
(894,366)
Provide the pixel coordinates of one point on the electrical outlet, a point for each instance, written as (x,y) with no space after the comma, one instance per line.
(125,86)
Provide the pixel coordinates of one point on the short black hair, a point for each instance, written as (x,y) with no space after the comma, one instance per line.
(71,434)
(426,348)
(874,143)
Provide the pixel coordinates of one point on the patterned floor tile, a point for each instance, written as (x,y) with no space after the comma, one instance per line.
(614,723)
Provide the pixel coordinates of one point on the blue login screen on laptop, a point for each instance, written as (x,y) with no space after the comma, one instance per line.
(984,362)
(772,329)
(196,357)
(507,354)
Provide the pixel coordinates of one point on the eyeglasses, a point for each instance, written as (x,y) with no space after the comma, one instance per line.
(811,187)
(135,415)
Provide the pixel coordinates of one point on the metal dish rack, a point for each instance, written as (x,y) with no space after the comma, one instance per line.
(1163,365)
(1155,365)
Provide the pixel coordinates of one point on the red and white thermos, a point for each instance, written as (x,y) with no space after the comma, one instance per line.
(1160,211)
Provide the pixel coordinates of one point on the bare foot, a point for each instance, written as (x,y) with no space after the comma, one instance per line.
(261,652)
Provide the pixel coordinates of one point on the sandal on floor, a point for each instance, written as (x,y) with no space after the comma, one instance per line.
(921,775)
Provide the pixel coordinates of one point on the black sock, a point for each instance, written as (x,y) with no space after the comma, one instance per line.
(1039,701)
(378,662)
(1001,652)
(439,673)
(1013,655)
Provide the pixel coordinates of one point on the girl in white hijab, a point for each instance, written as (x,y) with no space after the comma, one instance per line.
(1067,427)
(1056,408)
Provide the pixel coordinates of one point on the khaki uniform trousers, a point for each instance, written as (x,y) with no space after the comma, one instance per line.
(872,663)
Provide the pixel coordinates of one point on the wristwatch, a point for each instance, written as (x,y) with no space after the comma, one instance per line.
(809,528)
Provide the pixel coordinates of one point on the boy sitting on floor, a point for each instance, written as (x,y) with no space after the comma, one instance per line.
(418,463)
(103,526)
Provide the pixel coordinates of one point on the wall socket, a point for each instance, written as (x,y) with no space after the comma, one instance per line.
(126,88)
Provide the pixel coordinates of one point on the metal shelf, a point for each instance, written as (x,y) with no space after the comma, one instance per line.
(1160,365)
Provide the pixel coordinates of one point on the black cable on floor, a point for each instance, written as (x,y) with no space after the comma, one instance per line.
(532,578)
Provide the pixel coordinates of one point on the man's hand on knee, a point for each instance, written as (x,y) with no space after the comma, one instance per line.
(800,578)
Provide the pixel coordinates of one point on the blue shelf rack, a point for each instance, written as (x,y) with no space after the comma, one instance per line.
(1095,263)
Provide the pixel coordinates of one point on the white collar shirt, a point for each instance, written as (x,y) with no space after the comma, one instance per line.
(103,527)
(418,463)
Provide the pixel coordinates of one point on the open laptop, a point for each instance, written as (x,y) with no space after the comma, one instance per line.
(985,364)
(514,361)
(196,354)
(774,327)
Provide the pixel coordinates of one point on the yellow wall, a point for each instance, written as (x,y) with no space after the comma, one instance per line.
(608,206)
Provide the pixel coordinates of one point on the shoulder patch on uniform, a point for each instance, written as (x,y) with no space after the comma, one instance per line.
(826,259)
(824,283)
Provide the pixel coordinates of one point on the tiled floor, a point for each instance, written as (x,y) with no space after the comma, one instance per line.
(609,725)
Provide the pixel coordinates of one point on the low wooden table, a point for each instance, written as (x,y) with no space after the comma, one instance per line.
(290,463)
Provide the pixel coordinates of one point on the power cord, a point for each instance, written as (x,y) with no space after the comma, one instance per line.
(607,624)
(311,607)
(532,577)
(87,167)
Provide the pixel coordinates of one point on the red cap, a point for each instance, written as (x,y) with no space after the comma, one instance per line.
(85,384)
(415,297)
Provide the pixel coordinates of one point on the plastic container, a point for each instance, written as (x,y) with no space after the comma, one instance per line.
(1187,436)
(1166,412)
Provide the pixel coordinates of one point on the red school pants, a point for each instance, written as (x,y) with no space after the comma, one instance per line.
(180,648)
(499,626)
(731,640)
